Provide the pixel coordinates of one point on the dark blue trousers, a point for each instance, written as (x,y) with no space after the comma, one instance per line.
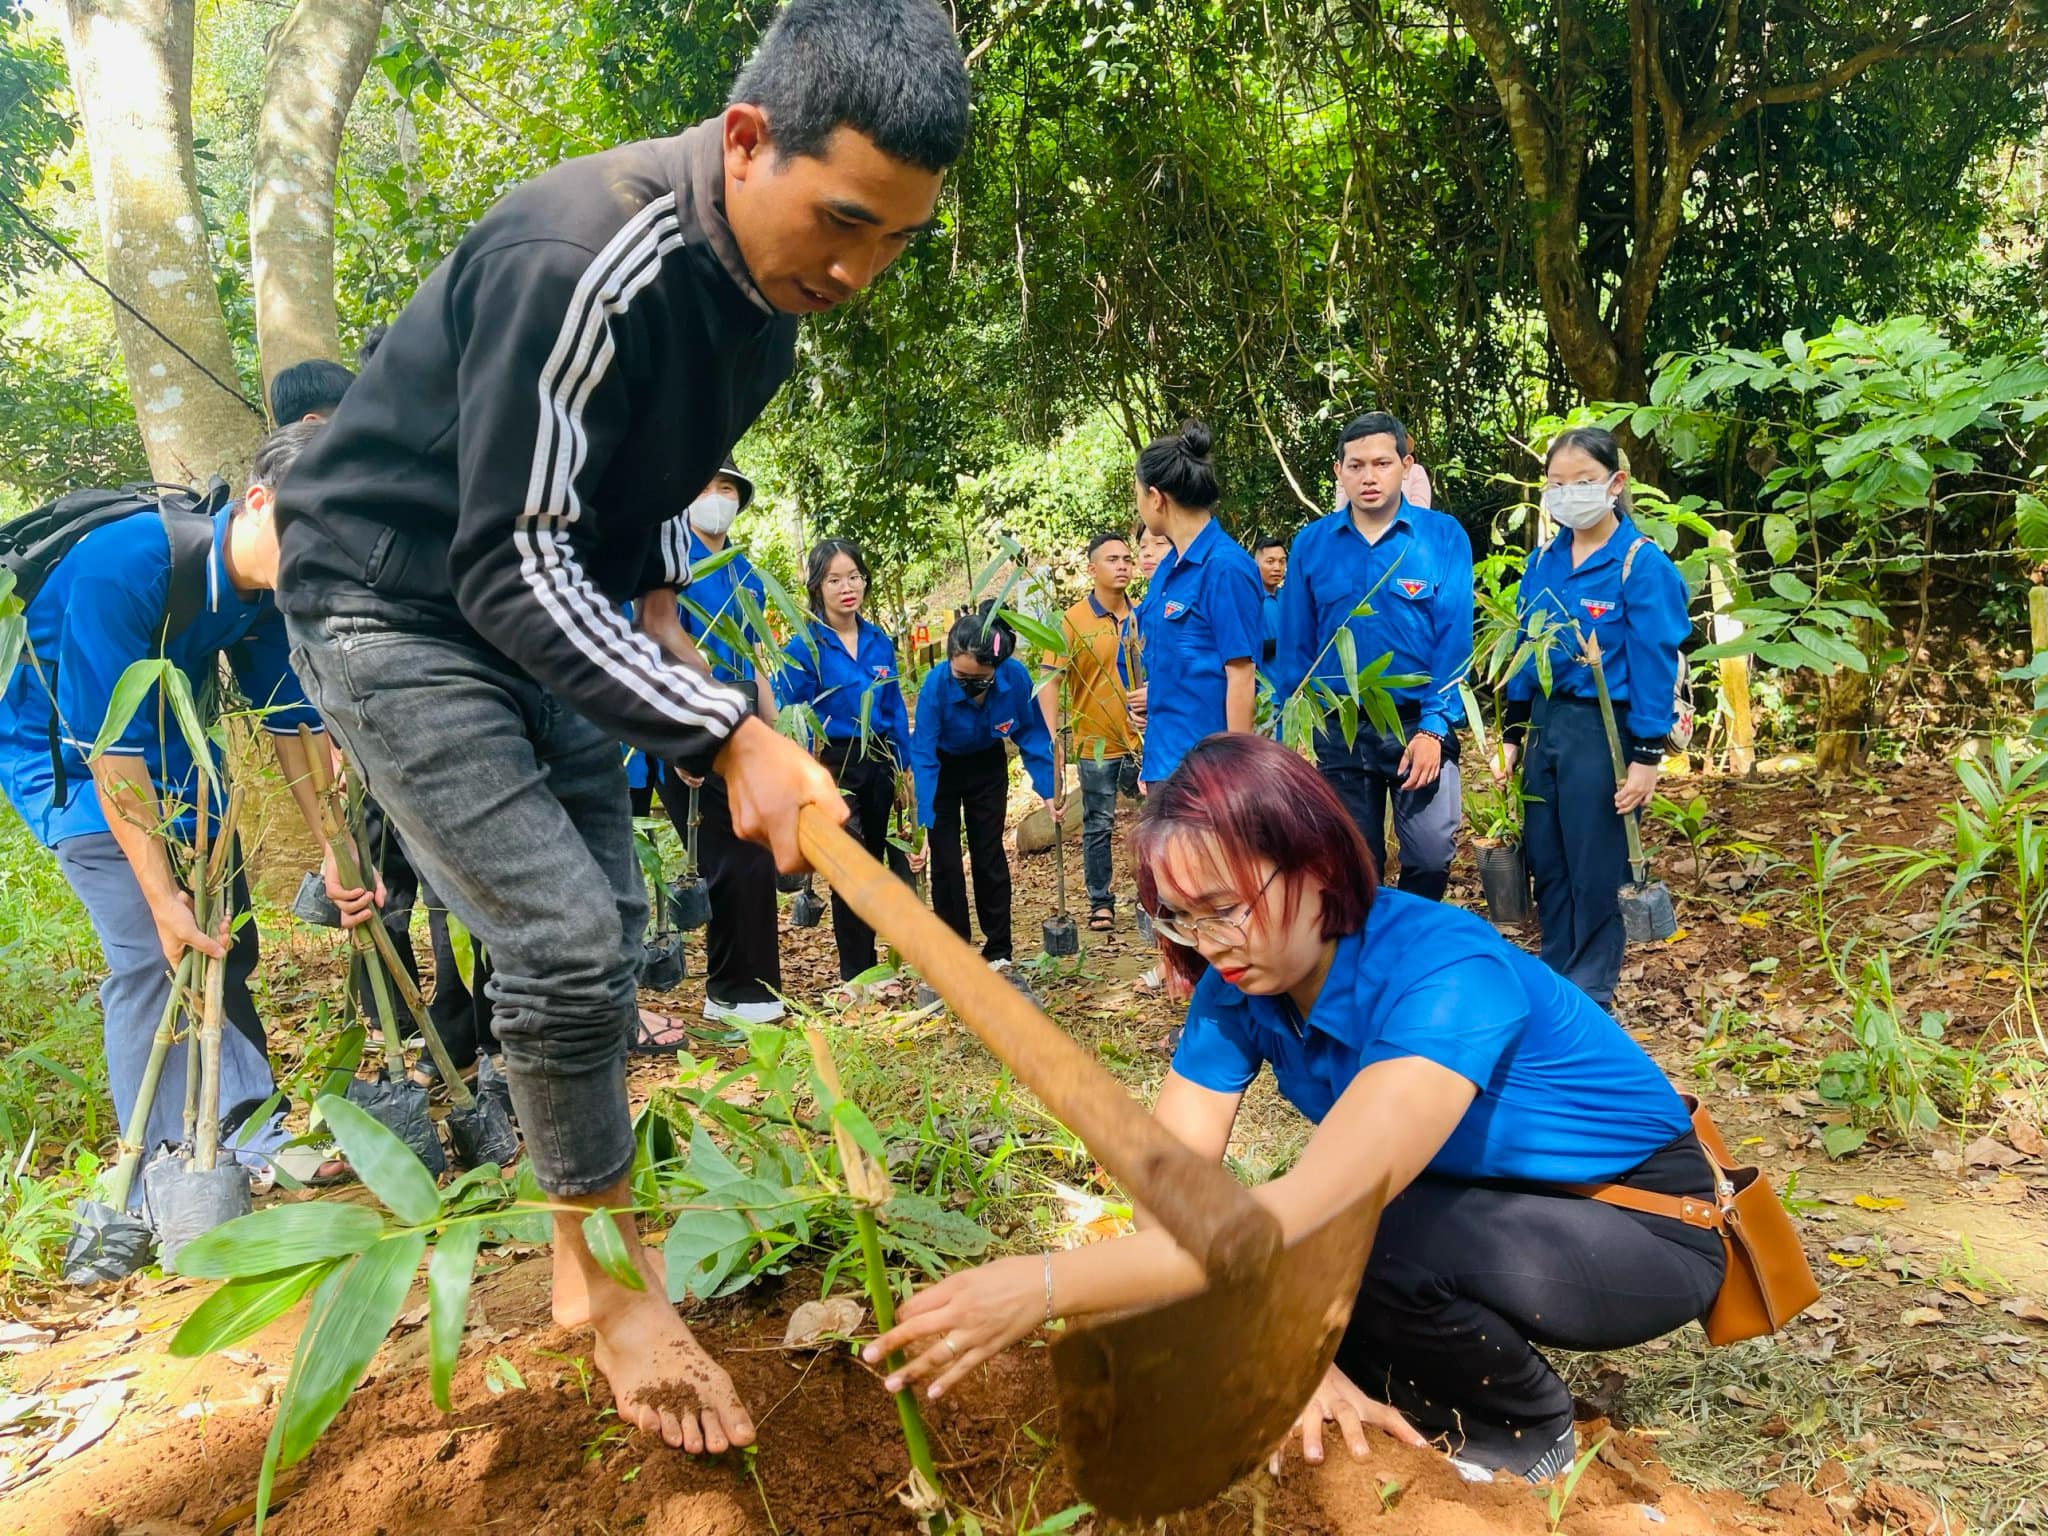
(1576,846)
(1367,775)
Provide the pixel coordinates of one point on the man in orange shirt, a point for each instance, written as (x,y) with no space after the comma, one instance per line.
(1097,672)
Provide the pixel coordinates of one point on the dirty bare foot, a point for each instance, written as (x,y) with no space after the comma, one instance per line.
(572,1293)
(661,1379)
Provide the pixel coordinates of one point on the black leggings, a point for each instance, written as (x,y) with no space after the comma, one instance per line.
(868,785)
(1466,1281)
(975,788)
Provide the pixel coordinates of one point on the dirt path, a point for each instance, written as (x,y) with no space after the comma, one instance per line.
(1916,1392)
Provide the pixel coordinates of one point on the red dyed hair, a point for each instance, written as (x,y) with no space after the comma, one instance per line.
(1260,802)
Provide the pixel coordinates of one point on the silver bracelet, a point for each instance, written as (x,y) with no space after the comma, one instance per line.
(1048,1290)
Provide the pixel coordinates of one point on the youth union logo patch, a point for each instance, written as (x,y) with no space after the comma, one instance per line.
(1413,588)
(1174,610)
(1004,728)
(1594,609)
(881,674)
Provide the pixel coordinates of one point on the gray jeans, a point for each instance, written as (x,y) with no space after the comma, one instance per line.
(513,806)
(1102,780)
(132,999)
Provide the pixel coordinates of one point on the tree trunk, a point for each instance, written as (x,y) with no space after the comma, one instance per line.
(1842,738)
(315,63)
(131,71)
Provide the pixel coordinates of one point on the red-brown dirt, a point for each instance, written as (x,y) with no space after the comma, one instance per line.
(551,1456)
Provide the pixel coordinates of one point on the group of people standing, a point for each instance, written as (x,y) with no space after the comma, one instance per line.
(451,556)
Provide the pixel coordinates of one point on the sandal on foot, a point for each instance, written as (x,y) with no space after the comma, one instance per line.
(656,1034)
(1102,920)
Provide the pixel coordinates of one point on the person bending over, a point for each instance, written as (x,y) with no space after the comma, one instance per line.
(1440,1064)
(457,547)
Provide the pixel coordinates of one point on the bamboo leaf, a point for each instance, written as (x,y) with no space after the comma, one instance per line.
(607,1245)
(130,690)
(240,1307)
(449,1272)
(340,1339)
(386,1165)
(280,1237)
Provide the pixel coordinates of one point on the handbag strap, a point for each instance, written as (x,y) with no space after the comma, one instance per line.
(1690,1209)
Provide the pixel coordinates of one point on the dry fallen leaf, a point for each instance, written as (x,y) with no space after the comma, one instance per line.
(1878,1202)
(20,1338)
(1990,1152)
(1916,1317)
(814,1323)
(2025,1308)
(2024,1135)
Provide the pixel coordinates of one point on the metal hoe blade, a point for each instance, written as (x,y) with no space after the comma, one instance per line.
(1163,1410)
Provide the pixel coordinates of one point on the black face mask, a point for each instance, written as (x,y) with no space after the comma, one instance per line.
(974,687)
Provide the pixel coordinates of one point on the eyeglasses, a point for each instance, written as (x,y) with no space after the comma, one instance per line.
(1225,930)
(851,579)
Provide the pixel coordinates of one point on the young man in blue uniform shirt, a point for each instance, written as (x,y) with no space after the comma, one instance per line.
(103,608)
(1411,569)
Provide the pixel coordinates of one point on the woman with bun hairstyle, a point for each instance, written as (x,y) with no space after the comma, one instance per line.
(1201,620)
(1448,1074)
(1600,577)
(967,710)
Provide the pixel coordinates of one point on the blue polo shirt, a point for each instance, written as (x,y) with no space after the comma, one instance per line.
(1203,607)
(1269,628)
(1565,1096)
(844,688)
(710,599)
(100,610)
(1416,586)
(953,725)
(1641,626)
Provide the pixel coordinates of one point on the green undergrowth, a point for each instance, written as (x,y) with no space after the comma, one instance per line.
(54,1110)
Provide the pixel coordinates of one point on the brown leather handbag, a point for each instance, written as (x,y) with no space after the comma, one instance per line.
(1768,1282)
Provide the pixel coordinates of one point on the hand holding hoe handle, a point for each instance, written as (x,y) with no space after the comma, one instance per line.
(1207,1212)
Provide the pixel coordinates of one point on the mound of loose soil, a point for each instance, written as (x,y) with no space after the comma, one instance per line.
(551,1457)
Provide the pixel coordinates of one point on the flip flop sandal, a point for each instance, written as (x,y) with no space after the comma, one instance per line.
(332,1170)
(1102,920)
(668,1038)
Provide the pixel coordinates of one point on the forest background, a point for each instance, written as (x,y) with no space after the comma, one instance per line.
(1792,250)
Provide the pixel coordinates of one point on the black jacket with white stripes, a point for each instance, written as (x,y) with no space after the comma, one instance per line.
(508,463)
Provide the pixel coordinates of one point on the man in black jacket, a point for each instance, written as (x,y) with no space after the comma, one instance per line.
(455,549)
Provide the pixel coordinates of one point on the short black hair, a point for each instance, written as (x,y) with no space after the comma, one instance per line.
(1374,424)
(277,453)
(311,388)
(1266,542)
(1107,536)
(822,554)
(888,69)
(1178,464)
(977,632)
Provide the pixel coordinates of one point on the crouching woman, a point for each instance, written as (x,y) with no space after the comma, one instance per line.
(1438,1062)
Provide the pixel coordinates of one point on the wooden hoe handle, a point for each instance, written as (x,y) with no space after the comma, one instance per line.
(1207,1211)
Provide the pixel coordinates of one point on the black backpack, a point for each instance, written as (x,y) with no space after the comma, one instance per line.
(32,544)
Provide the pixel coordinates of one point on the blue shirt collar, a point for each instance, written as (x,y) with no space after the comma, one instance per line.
(1199,546)
(1616,546)
(1404,517)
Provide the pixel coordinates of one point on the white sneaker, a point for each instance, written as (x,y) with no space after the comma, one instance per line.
(744,1013)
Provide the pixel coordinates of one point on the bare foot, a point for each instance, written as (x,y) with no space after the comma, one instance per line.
(572,1295)
(662,1380)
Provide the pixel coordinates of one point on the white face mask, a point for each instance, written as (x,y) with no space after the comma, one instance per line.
(1578,506)
(712,513)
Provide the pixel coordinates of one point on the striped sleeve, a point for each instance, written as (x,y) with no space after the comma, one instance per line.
(550,349)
